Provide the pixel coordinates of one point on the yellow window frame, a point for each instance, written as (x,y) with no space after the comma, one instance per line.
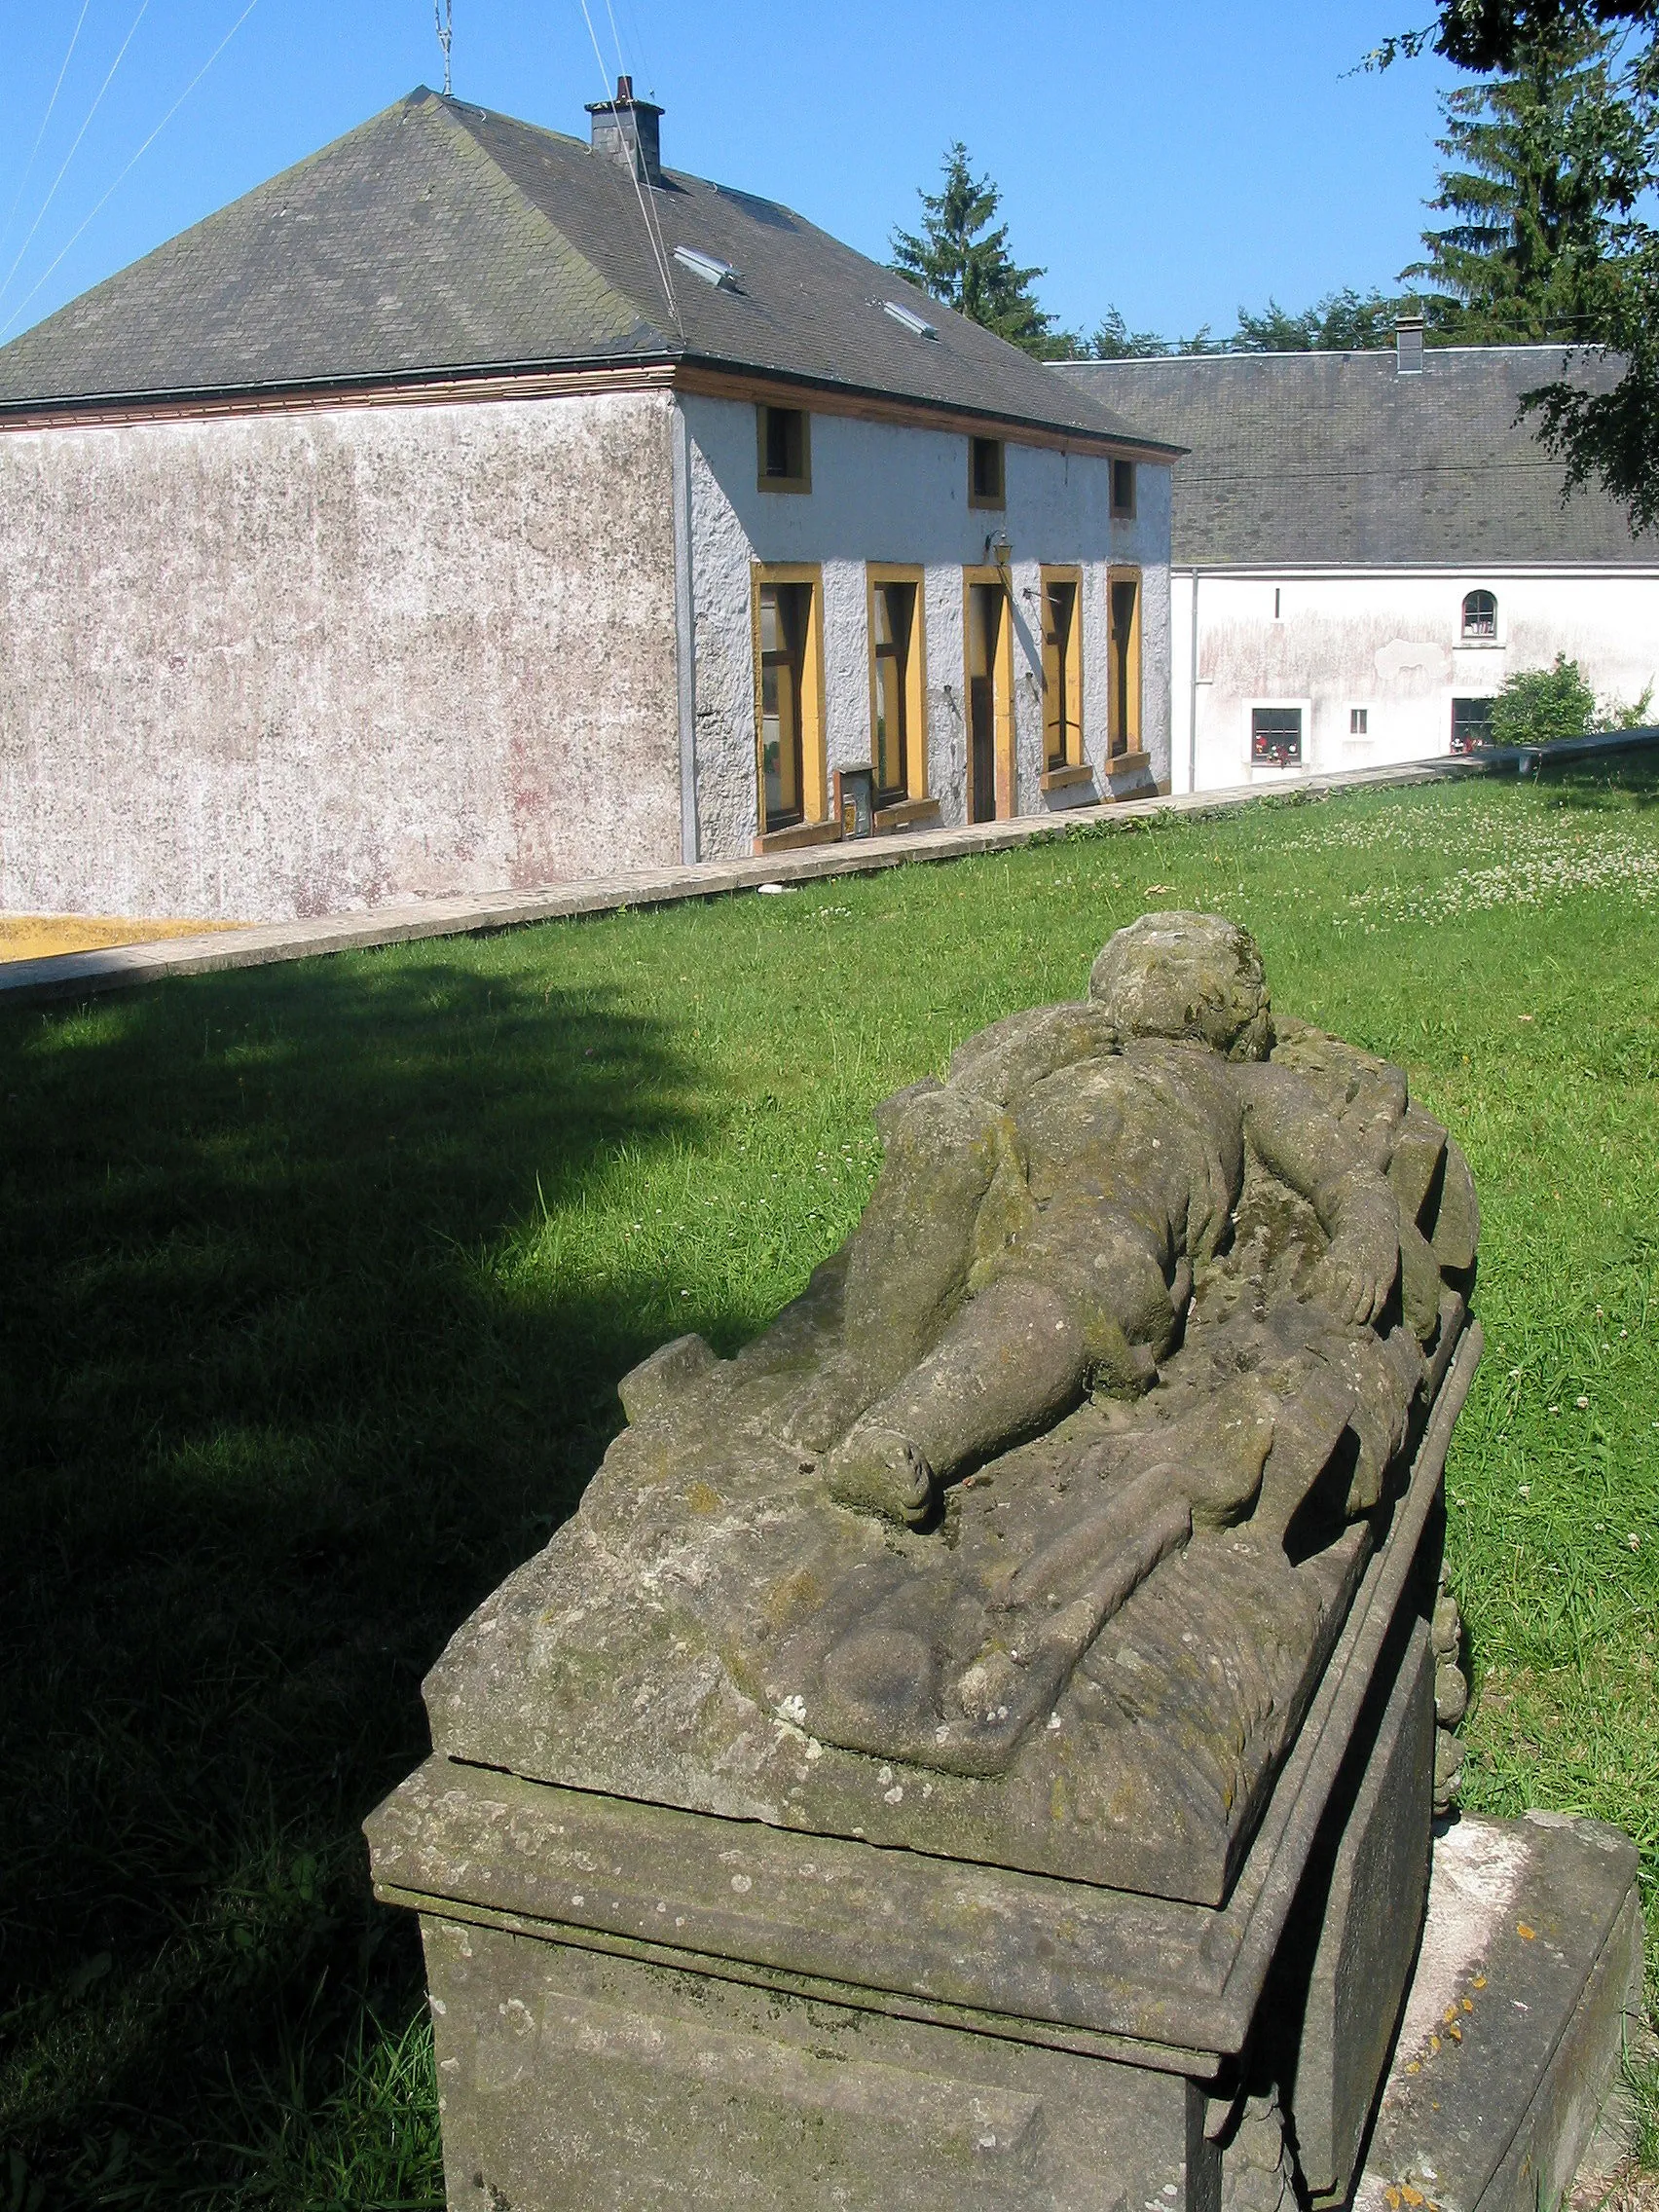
(1123,668)
(1062,675)
(878,573)
(814,824)
(1002,695)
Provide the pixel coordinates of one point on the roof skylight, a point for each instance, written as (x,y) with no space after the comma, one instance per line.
(908,320)
(720,274)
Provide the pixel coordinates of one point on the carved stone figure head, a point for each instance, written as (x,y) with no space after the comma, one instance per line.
(1187,975)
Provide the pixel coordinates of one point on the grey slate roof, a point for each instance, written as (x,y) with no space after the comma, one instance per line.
(439,237)
(1308,460)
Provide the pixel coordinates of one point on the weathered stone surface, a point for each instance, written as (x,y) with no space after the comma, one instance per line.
(1360,1917)
(1025,1534)
(1530,1971)
(572,2079)
(1166,1985)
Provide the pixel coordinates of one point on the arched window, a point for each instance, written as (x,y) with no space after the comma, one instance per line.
(1479,615)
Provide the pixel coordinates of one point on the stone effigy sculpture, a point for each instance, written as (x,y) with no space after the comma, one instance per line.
(1052,1583)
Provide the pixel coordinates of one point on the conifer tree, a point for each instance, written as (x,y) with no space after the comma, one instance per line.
(958,258)
(1549,159)
(1611,437)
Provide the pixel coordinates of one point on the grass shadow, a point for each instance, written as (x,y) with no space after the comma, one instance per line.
(1622,783)
(275,1418)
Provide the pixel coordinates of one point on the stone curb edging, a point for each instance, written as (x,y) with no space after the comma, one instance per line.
(123,967)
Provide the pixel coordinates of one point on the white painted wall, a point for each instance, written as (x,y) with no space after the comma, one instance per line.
(881,493)
(277,664)
(1389,640)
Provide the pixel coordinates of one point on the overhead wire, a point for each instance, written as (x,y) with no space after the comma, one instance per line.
(143,11)
(130,166)
(653,235)
(649,203)
(51,109)
(647,200)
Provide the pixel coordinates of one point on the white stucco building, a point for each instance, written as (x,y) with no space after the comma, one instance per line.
(1365,545)
(474,506)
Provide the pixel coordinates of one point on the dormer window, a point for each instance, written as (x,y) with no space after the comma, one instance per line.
(1480,617)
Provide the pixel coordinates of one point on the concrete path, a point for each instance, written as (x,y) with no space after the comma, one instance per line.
(114,967)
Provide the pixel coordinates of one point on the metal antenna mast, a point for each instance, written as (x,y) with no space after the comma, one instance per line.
(443,20)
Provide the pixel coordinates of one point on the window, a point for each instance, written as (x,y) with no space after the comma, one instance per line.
(789,690)
(908,320)
(898,686)
(785,435)
(1276,736)
(709,267)
(985,472)
(1480,616)
(1123,661)
(1471,723)
(990,696)
(1123,489)
(1062,669)
(1359,721)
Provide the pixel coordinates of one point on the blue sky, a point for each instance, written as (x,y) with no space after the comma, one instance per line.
(1174,158)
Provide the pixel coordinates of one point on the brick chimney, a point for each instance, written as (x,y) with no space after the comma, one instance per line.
(625,130)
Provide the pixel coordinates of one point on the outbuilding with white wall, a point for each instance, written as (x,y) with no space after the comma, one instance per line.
(1365,545)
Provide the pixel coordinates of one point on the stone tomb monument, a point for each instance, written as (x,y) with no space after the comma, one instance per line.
(977,1748)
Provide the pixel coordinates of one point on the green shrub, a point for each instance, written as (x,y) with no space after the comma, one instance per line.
(1544,704)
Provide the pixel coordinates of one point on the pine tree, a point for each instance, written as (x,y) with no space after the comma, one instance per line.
(1114,341)
(958,258)
(1606,437)
(1550,159)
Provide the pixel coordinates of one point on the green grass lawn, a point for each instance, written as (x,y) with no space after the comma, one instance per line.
(317,1281)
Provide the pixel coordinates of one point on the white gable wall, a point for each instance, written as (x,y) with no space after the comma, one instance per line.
(270,664)
(888,493)
(1390,642)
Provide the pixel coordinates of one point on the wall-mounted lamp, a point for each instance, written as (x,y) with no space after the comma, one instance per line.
(998,550)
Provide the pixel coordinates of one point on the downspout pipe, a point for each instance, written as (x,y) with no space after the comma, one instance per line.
(1192,696)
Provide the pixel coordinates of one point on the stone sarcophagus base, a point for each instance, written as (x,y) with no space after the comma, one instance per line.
(979,1747)
(637,2004)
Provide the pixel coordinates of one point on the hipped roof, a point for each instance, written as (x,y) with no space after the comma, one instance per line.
(441,239)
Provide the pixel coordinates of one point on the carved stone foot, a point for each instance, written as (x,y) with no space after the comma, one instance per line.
(879,1471)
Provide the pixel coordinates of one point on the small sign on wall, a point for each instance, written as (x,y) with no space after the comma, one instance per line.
(855,801)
